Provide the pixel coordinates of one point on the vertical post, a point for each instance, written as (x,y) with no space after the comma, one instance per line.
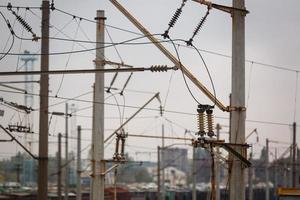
(250,177)
(44,91)
(267,170)
(217,165)
(66,155)
(238,115)
(290,166)
(59,168)
(276,173)
(97,190)
(78,184)
(294,174)
(285,175)
(115,183)
(162,162)
(158,173)
(213,177)
(194,194)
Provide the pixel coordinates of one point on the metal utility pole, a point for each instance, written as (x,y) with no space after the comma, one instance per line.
(44,91)
(66,154)
(194,193)
(162,160)
(267,170)
(238,116)
(78,184)
(59,168)
(98,181)
(158,173)
(294,173)
(217,165)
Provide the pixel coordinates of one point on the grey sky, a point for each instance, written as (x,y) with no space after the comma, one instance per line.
(272,32)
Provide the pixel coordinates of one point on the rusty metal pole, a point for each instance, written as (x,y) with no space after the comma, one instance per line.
(44,92)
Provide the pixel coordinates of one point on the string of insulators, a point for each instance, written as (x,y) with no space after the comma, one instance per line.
(201,123)
(52,5)
(120,148)
(198,27)
(24,24)
(174,19)
(205,120)
(210,123)
(159,68)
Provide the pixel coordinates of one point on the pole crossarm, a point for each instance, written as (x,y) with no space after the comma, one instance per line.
(160,137)
(205,143)
(154,68)
(227,9)
(18,142)
(171,57)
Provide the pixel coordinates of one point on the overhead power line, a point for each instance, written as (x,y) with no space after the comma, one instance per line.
(136,33)
(150,109)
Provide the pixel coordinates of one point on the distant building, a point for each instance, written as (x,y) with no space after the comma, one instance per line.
(175,157)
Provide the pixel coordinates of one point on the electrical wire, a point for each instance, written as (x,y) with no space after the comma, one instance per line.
(21,42)
(79,51)
(136,33)
(118,53)
(168,90)
(209,75)
(296,94)
(68,60)
(150,109)
(13,36)
(249,85)
(180,67)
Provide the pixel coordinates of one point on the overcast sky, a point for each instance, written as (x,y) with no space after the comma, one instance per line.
(272,37)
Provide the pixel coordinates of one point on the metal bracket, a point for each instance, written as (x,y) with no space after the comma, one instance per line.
(223,8)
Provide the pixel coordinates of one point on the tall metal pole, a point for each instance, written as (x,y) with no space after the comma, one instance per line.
(66,154)
(294,173)
(217,165)
(98,181)
(267,170)
(194,194)
(158,173)
(44,91)
(59,168)
(78,183)
(162,161)
(238,116)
